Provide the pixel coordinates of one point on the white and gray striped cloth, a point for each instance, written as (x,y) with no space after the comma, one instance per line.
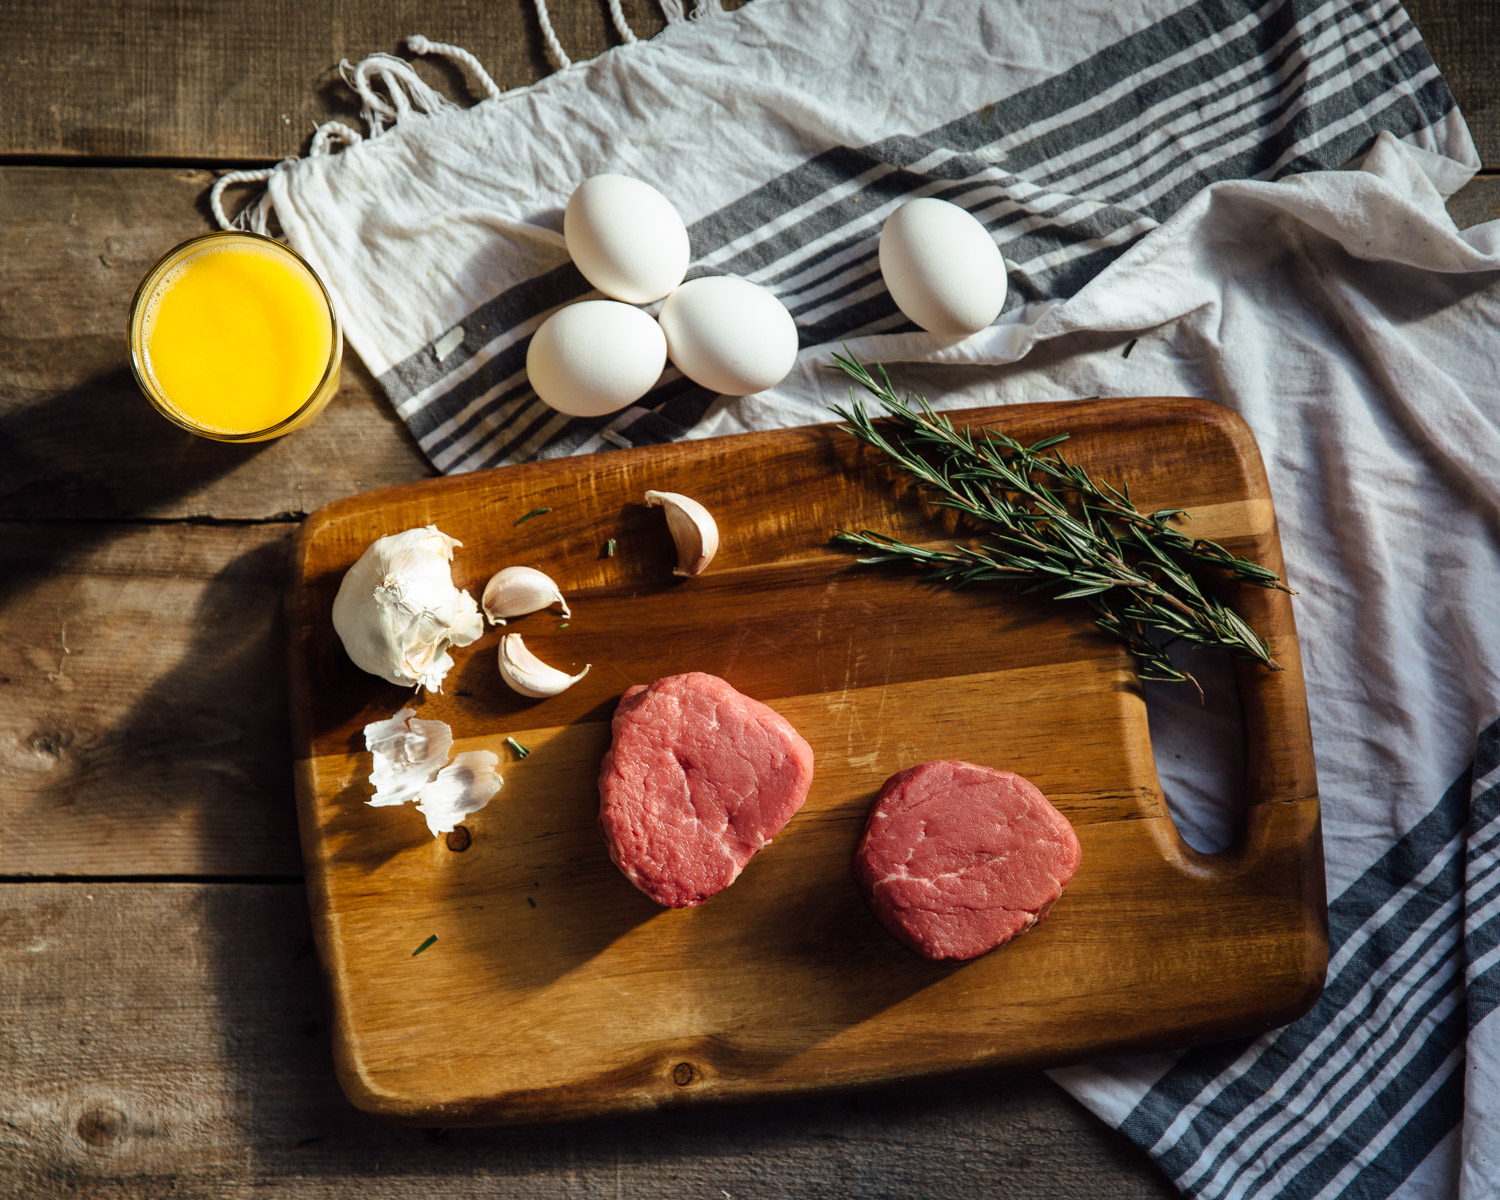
(1255,192)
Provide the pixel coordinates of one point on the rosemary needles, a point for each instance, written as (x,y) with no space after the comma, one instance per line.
(1054,529)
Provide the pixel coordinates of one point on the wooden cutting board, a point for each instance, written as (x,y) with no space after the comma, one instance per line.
(555,989)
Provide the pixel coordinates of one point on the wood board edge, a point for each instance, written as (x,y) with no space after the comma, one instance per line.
(363,1087)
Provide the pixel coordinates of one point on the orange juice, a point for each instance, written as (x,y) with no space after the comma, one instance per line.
(233,336)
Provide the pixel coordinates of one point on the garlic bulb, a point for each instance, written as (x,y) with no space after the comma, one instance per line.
(408,752)
(693,529)
(397,611)
(524,672)
(464,786)
(516,591)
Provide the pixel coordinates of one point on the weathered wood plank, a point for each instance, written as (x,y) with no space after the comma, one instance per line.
(76,436)
(152,77)
(1479,201)
(156,77)
(143,723)
(169,1039)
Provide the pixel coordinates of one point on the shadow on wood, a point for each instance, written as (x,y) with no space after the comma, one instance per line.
(170,1039)
(80,449)
(974,1130)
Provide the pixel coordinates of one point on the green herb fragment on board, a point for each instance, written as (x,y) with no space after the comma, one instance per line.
(530,901)
(609,548)
(424,945)
(562,625)
(1129,346)
(1053,528)
(535,512)
(521,751)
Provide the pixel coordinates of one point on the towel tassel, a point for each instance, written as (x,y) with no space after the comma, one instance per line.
(418,44)
(555,53)
(405,93)
(676,10)
(622,26)
(256,215)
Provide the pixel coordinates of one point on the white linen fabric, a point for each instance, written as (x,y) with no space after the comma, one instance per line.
(1253,195)
(1358,332)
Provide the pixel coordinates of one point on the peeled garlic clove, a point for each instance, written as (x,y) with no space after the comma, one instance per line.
(693,529)
(409,752)
(464,786)
(516,591)
(524,672)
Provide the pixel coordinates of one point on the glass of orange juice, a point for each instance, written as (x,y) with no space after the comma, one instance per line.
(233,336)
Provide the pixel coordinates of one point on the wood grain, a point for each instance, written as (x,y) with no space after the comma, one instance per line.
(57,463)
(73,223)
(165,1040)
(180,1027)
(76,437)
(1478,201)
(190,1013)
(143,725)
(601,1003)
(157,77)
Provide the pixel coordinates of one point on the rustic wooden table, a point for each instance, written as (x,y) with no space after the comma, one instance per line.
(161,1028)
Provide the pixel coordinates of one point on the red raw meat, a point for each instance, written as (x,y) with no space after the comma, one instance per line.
(958,859)
(697,779)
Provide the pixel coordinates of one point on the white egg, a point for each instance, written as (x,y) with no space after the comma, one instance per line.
(595,357)
(943,269)
(626,238)
(728,334)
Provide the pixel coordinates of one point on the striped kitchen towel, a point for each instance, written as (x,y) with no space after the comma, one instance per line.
(1353,1098)
(785,133)
(1251,192)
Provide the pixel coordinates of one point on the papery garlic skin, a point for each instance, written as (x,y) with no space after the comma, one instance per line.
(693,528)
(525,673)
(409,755)
(409,752)
(464,786)
(516,591)
(397,611)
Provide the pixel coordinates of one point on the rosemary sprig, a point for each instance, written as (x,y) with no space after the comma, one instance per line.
(1054,529)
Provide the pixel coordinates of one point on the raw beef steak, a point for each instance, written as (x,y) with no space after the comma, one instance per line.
(697,779)
(958,859)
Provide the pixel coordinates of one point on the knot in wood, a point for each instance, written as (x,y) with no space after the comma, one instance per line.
(50,743)
(682,1074)
(101,1124)
(459,838)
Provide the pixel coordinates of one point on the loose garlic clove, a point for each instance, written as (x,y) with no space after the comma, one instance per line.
(524,672)
(693,529)
(516,591)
